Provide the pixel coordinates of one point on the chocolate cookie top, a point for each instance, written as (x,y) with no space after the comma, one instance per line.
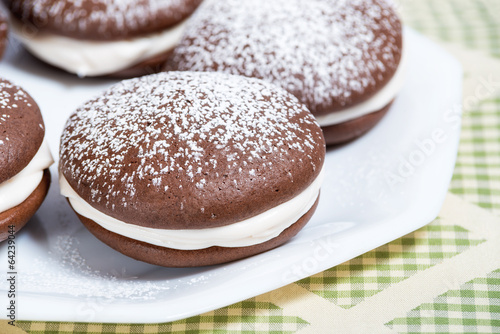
(21,129)
(102,19)
(188,150)
(331,54)
(3,33)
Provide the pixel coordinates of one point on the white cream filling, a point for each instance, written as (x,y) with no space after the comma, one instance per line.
(373,104)
(95,58)
(18,188)
(252,231)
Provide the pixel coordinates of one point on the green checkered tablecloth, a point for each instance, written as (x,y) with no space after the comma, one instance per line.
(444,277)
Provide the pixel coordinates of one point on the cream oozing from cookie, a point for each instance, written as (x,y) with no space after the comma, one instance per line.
(251,231)
(375,103)
(191,151)
(96,58)
(18,188)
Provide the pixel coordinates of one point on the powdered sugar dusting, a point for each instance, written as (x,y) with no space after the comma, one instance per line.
(75,277)
(195,126)
(324,52)
(12,98)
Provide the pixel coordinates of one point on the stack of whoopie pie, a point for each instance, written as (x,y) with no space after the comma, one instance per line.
(192,168)
(221,156)
(24,158)
(101,37)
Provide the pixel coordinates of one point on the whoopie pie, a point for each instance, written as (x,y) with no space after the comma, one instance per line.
(24,158)
(122,38)
(342,58)
(187,169)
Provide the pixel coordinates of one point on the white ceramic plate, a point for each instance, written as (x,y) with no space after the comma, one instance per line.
(386,184)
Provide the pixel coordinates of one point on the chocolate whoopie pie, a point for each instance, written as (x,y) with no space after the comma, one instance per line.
(101,37)
(24,158)
(187,169)
(339,57)
(3,33)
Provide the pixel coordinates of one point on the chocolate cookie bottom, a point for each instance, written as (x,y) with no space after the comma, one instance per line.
(347,131)
(21,214)
(168,257)
(145,67)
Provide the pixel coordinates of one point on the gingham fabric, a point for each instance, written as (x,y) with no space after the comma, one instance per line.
(245,317)
(473,24)
(477,173)
(350,283)
(474,308)
(443,278)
